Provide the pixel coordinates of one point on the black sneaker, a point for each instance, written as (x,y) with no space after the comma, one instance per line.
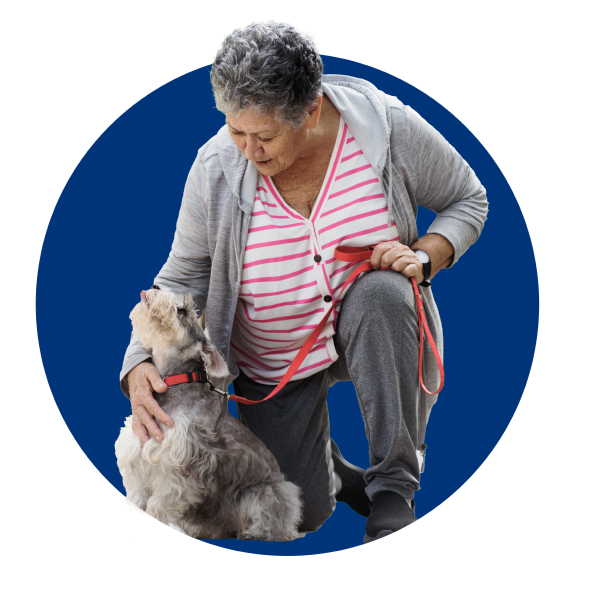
(353,483)
(389,513)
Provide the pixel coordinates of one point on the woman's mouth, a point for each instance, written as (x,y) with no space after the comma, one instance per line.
(264,163)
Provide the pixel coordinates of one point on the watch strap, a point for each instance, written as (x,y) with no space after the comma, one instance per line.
(426,265)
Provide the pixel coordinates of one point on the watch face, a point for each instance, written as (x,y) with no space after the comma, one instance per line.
(422,256)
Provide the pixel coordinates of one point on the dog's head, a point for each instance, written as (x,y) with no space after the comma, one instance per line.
(167,326)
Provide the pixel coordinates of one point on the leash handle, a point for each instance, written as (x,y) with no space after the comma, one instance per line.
(423,326)
(350,254)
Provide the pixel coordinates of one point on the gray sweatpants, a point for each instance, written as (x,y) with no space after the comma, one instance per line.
(377,341)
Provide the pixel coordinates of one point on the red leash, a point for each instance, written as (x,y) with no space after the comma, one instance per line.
(346,254)
(349,254)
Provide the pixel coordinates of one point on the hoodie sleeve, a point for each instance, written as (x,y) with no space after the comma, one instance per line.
(445,184)
(187,270)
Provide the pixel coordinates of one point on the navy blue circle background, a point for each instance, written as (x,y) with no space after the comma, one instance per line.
(112,230)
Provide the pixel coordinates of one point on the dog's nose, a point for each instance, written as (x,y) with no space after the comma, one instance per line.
(155,287)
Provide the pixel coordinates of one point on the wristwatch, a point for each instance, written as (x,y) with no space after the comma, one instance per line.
(426,261)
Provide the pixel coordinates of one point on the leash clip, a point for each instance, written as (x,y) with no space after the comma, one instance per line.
(215,389)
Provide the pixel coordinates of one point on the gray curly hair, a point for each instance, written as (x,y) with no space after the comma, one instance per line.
(270,68)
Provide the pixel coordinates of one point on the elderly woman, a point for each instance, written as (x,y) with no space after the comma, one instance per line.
(306,163)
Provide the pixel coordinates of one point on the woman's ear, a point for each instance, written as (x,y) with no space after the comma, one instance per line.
(314,113)
(215,363)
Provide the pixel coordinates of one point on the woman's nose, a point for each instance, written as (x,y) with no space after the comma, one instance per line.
(253,148)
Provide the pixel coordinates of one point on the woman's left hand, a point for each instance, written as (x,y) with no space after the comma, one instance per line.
(397,257)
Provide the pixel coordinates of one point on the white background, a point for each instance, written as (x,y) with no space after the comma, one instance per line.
(520,76)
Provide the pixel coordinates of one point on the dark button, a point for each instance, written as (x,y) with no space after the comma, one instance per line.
(328,298)
(317,258)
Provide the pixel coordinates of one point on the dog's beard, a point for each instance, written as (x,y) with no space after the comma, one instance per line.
(156,326)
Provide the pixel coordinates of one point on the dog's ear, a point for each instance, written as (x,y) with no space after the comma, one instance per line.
(215,363)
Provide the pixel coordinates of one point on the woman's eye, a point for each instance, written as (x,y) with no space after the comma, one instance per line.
(265,140)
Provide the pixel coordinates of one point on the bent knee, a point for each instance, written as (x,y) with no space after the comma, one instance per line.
(318,505)
(380,292)
(314,516)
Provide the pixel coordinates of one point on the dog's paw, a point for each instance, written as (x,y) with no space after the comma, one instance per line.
(290,537)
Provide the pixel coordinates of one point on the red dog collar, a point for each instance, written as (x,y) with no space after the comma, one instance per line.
(199,376)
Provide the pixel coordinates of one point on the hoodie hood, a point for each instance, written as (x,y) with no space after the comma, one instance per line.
(366,111)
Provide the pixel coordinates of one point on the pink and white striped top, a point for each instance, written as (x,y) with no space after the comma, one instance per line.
(290,275)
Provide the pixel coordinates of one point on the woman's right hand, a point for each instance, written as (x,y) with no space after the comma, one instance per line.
(142,381)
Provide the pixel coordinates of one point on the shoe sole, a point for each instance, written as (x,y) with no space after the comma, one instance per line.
(381,534)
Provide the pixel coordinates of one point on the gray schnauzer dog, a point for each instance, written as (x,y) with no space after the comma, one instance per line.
(211,477)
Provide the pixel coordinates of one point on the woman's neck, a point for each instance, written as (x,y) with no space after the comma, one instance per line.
(314,159)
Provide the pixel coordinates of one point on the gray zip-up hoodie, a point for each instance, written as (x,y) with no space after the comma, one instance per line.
(208,249)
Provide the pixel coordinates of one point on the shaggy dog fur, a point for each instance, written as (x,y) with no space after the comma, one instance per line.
(211,477)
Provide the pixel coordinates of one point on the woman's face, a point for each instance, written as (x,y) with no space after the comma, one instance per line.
(271,145)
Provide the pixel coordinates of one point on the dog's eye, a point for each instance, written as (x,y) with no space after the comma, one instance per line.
(181,311)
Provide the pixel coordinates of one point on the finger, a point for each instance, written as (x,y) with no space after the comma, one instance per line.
(157,383)
(154,409)
(404,263)
(393,254)
(139,429)
(150,424)
(143,397)
(410,271)
(415,271)
(379,251)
